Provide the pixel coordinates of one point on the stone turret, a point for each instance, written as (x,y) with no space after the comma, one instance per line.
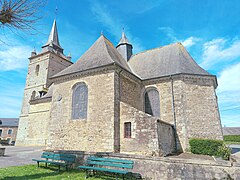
(124,47)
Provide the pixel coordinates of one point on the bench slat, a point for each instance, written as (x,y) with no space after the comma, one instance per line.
(93,158)
(48,155)
(128,166)
(65,157)
(103,169)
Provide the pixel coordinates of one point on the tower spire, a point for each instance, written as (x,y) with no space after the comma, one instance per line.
(53,39)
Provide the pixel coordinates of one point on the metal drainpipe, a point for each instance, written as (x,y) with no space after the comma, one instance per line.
(119,92)
(174,116)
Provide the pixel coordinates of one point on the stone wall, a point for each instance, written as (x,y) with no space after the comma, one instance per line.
(49,64)
(96,133)
(196,109)
(149,136)
(169,168)
(35,126)
(39,117)
(131,92)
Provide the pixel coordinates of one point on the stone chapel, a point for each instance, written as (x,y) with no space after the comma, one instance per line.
(111,100)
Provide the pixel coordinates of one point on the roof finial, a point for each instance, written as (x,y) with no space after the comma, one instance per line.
(101,32)
(69,57)
(33,53)
(56,12)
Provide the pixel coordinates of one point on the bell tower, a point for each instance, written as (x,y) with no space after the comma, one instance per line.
(42,66)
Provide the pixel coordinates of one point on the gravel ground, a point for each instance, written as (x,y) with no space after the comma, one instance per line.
(18,156)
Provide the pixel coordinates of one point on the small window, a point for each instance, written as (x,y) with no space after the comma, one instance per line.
(10,131)
(37,70)
(0,132)
(127,130)
(0,122)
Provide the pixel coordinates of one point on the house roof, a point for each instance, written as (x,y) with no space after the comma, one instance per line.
(101,53)
(167,60)
(9,121)
(231,130)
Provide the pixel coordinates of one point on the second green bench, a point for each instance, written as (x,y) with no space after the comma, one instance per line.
(116,166)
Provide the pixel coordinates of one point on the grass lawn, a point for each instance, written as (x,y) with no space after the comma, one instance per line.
(33,172)
(231,142)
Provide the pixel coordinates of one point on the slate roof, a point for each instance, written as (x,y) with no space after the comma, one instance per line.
(9,121)
(101,53)
(231,130)
(53,36)
(167,60)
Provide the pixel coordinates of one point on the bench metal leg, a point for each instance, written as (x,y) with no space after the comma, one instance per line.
(86,176)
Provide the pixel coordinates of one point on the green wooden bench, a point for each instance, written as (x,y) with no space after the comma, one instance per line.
(59,160)
(116,166)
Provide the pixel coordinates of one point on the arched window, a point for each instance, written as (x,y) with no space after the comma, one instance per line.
(33,95)
(152,102)
(37,70)
(79,101)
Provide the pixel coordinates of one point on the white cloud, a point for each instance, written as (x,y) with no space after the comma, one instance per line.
(169,32)
(215,52)
(14,57)
(114,26)
(229,95)
(229,79)
(190,41)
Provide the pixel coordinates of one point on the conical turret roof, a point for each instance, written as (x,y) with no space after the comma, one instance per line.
(123,39)
(101,53)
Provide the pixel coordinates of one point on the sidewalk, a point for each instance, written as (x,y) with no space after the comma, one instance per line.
(18,156)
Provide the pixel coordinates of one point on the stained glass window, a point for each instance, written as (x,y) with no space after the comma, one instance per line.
(152,102)
(79,101)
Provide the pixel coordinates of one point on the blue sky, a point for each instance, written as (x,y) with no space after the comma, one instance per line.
(209,29)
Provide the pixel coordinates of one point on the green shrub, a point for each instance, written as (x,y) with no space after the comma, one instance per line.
(233,138)
(205,146)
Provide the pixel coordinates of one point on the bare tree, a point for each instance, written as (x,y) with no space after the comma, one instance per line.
(20,14)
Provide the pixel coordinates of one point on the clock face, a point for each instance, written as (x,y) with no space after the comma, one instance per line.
(59,98)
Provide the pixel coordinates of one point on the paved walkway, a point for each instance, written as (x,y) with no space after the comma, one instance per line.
(235,151)
(18,156)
